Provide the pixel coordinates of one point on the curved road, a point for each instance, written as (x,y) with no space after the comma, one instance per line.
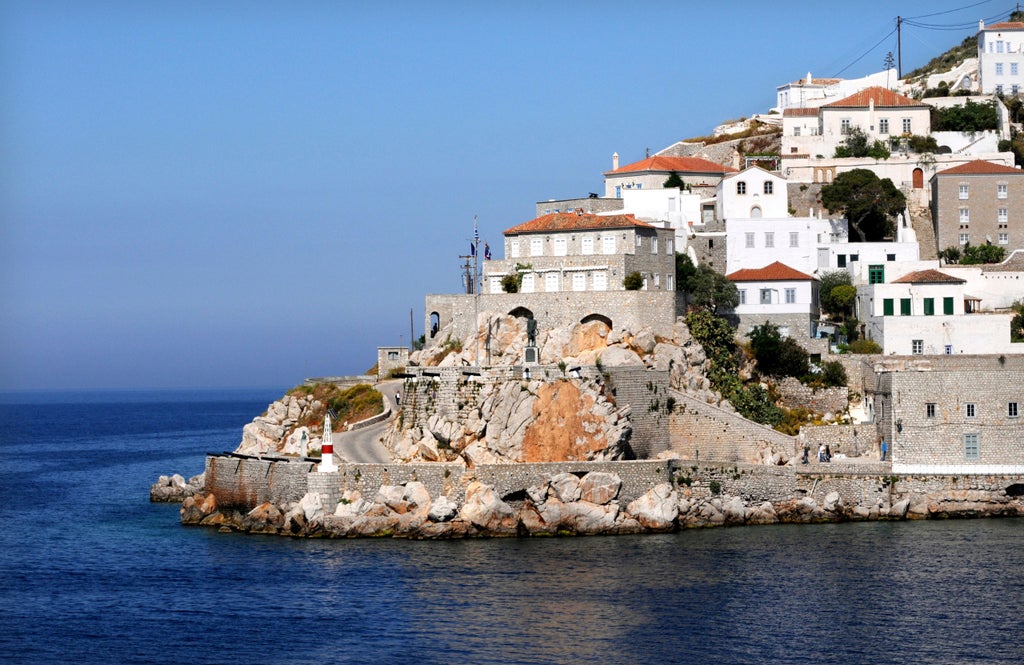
(363,446)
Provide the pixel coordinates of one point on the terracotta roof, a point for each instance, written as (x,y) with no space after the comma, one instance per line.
(669,164)
(773,272)
(801,112)
(570,221)
(980,167)
(1006,25)
(882,97)
(928,277)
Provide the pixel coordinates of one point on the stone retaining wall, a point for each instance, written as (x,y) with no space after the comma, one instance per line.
(703,431)
(850,440)
(821,400)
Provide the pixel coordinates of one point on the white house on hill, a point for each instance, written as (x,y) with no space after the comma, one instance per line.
(778,294)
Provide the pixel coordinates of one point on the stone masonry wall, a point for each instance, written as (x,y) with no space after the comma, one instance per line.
(821,400)
(700,431)
(245,483)
(647,394)
(850,440)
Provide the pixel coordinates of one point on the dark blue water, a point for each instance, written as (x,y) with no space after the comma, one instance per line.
(91,572)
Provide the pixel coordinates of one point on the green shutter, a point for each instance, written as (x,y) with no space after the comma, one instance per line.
(947,306)
(887,309)
(876,274)
(929,306)
(904,306)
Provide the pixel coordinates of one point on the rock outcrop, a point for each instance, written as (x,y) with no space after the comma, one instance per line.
(175,489)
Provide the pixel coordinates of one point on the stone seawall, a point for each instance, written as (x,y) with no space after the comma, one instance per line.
(451,501)
(696,425)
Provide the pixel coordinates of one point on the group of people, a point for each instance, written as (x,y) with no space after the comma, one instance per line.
(824,453)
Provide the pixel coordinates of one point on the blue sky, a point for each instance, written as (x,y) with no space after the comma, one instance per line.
(234,194)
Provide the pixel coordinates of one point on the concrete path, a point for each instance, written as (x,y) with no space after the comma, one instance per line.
(363,446)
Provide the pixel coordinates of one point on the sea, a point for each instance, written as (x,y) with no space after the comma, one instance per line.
(92,572)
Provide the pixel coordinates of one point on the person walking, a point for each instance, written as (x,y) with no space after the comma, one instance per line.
(885,448)
(398,398)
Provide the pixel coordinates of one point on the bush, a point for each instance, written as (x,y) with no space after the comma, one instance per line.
(833,374)
(865,346)
(634,281)
(776,356)
(975,254)
(511,283)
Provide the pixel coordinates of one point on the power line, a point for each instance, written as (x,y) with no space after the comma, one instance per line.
(863,55)
(948,11)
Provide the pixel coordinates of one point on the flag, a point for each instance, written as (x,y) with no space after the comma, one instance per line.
(472,249)
(487,252)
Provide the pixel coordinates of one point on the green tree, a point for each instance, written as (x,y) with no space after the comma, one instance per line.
(826,284)
(870,204)
(843,297)
(685,270)
(776,355)
(675,181)
(971,117)
(1017,323)
(950,255)
(634,281)
(833,374)
(975,254)
(709,289)
(856,144)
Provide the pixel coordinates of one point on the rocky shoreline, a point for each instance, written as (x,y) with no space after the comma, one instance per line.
(567,504)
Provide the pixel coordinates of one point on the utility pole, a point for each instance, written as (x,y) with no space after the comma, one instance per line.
(899,48)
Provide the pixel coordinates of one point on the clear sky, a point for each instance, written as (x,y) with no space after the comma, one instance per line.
(232,194)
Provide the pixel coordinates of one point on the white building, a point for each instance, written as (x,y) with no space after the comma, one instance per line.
(652,172)
(1001,58)
(680,210)
(778,294)
(810,92)
(752,193)
(927,312)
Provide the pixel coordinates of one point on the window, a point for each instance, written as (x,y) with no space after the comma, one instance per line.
(883,126)
(668,282)
(743,296)
(561,246)
(1001,190)
(890,257)
(796,131)
(965,192)
(929,410)
(529,285)
(999,89)
(999,69)
(965,238)
(1012,411)
(551,282)
(876,274)
(1003,215)
(949,349)
(579,281)
(750,239)
(971,410)
(536,246)
(844,126)
(513,249)
(999,46)
(790,296)
(600,281)
(1004,239)
(917,347)
(654,245)
(1013,69)
(906,126)
(618,191)
(971,446)
(929,306)
(1015,89)
(668,246)
(587,245)
(766,296)
(841,260)
(639,240)
(794,239)
(608,244)
(965,215)
(657,280)
(887,309)
(904,306)
(769,239)
(947,306)
(494,287)
(769,187)
(854,257)
(741,187)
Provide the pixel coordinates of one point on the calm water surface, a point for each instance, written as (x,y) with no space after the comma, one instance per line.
(91,572)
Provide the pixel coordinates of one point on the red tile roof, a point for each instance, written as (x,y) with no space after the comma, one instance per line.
(1006,25)
(980,167)
(669,164)
(570,221)
(882,97)
(928,277)
(801,112)
(773,272)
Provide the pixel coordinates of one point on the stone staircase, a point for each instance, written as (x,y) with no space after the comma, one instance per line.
(921,222)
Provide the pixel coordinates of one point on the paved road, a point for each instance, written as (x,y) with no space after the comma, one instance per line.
(363,445)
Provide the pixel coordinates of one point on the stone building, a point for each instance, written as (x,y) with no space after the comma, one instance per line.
(979,202)
(952,415)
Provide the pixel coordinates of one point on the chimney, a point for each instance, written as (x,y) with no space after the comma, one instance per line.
(615,161)
(809,79)
(981,25)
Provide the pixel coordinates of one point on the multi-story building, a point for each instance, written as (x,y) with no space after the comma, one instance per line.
(652,172)
(1001,58)
(810,92)
(979,202)
(779,294)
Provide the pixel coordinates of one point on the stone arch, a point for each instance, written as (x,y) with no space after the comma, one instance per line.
(1017,489)
(918,178)
(435,323)
(597,317)
(521,313)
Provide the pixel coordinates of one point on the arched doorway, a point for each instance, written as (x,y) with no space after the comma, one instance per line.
(755,212)
(435,323)
(918,178)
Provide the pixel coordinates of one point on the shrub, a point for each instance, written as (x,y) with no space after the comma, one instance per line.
(511,283)
(975,254)
(866,346)
(634,281)
(775,355)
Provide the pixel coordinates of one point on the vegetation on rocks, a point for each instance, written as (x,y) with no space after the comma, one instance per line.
(345,404)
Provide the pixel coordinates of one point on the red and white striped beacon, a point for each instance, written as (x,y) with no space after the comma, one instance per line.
(327,449)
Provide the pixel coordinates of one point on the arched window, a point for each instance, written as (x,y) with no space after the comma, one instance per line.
(435,323)
(741,187)
(755,212)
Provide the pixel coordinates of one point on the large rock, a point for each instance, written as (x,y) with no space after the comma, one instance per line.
(657,509)
(600,487)
(442,510)
(565,486)
(486,511)
(617,356)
